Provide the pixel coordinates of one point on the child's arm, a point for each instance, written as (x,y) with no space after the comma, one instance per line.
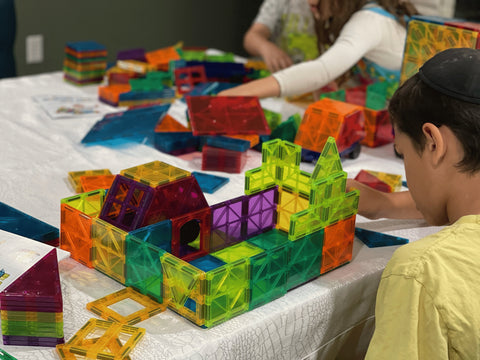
(257,43)
(374,204)
(361,35)
(263,88)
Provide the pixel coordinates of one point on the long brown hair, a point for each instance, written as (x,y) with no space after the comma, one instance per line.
(329,29)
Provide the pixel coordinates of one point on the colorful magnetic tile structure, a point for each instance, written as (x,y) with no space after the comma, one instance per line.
(155,173)
(190,234)
(270,268)
(218,115)
(373,99)
(32,328)
(379,180)
(78,67)
(40,317)
(228,143)
(132,54)
(162,57)
(186,78)
(280,166)
(328,202)
(287,130)
(225,160)
(211,263)
(108,249)
(238,219)
(74,177)
(176,143)
(273,118)
(87,48)
(376,97)
(208,88)
(169,124)
(136,66)
(146,84)
(110,94)
(145,247)
(113,347)
(338,244)
(89,203)
(210,183)
(374,182)
(76,223)
(113,340)
(174,199)
(221,71)
(376,239)
(253,139)
(378,128)
(124,205)
(75,235)
(17,222)
(134,125)
(31,340)
(95,182)
(145,98)
(104,307)
(85,62)
(426,38)
(289,203)
(394,180)
(306,254)
(328,117)
(207,297)
(37,289)
(130,204)
(228,223)
(117,76)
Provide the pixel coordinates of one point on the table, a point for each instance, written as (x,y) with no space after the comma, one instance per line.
(329,317)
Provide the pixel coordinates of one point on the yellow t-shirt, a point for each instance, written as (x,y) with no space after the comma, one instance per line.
(428,301)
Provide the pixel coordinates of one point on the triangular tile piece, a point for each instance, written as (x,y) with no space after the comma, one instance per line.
(329,161)
(169,124)
(38,289)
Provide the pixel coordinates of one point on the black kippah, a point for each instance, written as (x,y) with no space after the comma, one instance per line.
(454,72)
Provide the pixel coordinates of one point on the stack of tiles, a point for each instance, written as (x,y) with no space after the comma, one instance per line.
(85,62)
(32,306)
(221,117)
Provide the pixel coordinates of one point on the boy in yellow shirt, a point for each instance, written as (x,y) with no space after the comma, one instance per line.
(428,301)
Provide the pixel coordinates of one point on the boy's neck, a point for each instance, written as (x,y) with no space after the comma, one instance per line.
(464,197)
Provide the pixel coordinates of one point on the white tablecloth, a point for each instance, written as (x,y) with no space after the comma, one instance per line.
(331,316)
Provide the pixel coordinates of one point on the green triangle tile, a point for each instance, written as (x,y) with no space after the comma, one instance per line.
(329,161)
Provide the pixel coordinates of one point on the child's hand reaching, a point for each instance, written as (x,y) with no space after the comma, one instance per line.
(371,200)
(275,58)
(375,204)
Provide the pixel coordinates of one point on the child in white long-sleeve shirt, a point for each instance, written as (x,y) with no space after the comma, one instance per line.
(348,31)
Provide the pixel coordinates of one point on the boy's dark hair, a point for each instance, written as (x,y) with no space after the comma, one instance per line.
(416,103)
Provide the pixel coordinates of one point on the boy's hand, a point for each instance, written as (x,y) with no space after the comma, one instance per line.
(375,204)
(371,200)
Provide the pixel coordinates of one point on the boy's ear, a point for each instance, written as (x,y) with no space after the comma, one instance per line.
(435,145)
